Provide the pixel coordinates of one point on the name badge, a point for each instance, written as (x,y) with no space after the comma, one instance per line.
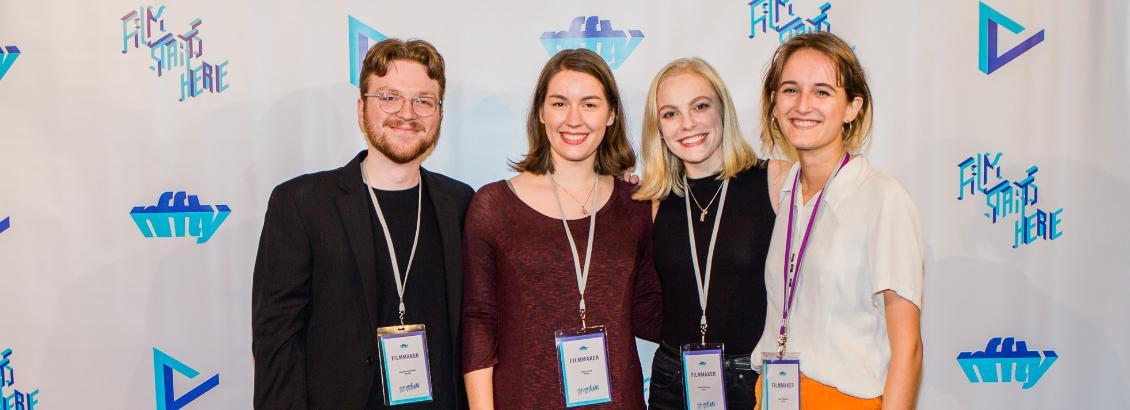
(583,358)
(705,386)
(782,381)
(404,364)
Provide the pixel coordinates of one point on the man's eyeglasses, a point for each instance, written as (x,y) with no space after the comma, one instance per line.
(392,103)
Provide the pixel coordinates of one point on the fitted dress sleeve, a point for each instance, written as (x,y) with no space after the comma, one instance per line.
(647,295)
(480,298)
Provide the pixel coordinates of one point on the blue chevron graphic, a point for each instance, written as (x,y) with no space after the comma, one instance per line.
(991,20)
(359,36)
(163,366)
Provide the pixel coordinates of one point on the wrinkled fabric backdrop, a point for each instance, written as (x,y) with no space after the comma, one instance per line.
(1006,121)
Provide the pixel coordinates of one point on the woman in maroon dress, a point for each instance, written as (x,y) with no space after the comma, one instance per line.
(523,279)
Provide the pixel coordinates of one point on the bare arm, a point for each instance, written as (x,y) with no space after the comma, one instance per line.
(905,337)
(480,388)
(777,170)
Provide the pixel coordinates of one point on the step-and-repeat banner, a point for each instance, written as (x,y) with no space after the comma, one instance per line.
(139,143)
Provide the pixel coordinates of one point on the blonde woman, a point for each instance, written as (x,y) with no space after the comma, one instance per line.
(713,204)
(850,235)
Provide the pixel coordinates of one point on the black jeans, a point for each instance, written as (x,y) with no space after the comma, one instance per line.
(666,391)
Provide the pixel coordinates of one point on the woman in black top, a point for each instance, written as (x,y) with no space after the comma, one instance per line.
(691,138)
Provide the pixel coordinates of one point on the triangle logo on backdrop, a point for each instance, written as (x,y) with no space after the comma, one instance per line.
(359,36)
(990,57)
(163,367)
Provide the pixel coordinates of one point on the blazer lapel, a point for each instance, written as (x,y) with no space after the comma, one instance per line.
(353,205)
(451,236)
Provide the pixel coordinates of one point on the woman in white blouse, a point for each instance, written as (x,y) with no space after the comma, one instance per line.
(851,235)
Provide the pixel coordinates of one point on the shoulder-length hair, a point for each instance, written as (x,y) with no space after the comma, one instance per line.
(849,74)
(662,170)
(614,156)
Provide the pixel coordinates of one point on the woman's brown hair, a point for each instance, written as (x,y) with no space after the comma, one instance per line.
(849,74)
(614,156)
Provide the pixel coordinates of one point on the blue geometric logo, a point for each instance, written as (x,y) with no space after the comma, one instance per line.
(163,366)
(778,16)
(614,46)
(17,400)
(173,212)
(583,348)
(403,346)
(359,36)
(702,363)
(5,223)
(8,56)
(990,57)
(1006,362)
(981,173)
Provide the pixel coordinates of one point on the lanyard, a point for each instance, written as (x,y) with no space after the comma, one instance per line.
(400,283)
(703,283)
(794,266)
(582,274)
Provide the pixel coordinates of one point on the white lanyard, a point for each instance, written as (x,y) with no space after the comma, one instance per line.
(703,283)
(582,274)
(400,283)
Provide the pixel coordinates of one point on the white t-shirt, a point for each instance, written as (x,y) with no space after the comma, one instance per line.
(865,239)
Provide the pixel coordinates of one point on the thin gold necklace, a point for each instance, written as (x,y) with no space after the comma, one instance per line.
(584,211)
(704,209)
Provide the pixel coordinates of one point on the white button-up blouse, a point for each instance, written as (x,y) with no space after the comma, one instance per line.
(865,239)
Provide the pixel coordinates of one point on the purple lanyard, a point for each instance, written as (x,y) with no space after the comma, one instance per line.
(790,286)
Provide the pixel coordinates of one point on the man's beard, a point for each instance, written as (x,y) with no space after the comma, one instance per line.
(386,147)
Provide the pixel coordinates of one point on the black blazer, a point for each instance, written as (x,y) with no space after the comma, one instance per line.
(313,312)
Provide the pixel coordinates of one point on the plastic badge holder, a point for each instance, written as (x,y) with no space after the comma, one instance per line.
(583,359)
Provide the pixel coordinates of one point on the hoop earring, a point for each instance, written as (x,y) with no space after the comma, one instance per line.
(847,131)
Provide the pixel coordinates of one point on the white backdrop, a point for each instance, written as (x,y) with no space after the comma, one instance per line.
(88,132)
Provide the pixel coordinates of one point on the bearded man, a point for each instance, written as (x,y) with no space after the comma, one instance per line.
(371,245)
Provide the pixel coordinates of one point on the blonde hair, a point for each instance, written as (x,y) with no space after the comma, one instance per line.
(662,170)
(849,74)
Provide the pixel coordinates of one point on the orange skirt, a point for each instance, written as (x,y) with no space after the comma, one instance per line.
(816,395)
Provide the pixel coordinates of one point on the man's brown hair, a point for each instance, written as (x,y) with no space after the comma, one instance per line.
(382,54)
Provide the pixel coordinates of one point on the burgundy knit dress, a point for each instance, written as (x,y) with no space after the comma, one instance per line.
(520,287)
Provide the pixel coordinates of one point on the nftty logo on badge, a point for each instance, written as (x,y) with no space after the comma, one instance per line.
(614,46)
(1016,363)
(173,212)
